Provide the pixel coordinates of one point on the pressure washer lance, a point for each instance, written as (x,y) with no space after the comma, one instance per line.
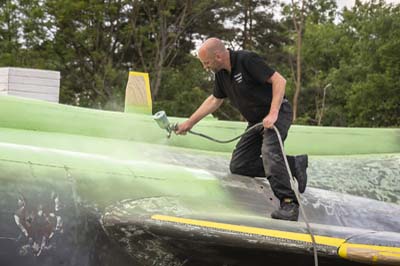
(162,121)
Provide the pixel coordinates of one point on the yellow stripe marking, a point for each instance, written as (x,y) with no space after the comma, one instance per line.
(395,251)
(323,240)
(358,252)
(384,253)
(147,83)
(370,253)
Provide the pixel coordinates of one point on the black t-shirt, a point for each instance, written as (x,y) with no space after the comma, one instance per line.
(246,86)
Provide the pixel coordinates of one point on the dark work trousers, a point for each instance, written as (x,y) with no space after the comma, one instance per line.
(258,153)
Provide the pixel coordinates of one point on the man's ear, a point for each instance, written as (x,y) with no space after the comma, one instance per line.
(218,56)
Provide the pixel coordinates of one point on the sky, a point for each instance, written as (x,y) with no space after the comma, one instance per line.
(350,3)
(340,3)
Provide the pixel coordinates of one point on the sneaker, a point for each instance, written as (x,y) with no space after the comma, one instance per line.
(300,171)
(289,210)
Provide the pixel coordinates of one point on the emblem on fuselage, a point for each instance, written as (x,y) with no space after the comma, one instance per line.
(38,224)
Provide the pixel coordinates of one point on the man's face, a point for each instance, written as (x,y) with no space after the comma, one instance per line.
(210,63)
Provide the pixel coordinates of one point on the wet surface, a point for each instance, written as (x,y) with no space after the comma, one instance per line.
(151,241)
(43,223)
(47,219)
(373,176)
(51,215)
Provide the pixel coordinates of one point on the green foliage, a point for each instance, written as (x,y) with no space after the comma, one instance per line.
(373,97)
(180,93)
(359,58)
(184,88)
(350,59)
(9,25)
(184,104)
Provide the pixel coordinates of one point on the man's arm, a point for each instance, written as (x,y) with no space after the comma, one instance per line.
(207,107)
(278,91)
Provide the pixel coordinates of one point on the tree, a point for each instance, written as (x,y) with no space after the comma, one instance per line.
(324,46)
(298,22)
(10,24)
(95,43)
(373,97)
(161,31)
(315,11)
(90,46)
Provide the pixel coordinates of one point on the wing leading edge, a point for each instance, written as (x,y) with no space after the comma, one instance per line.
(181,236)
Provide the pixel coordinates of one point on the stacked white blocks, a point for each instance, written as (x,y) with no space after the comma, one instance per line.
(30,83)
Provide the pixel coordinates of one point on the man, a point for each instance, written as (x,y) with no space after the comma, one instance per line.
(257,91)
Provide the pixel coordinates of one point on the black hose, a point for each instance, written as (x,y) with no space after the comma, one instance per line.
(229,140)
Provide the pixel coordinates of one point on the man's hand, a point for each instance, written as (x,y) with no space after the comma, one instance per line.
(269,120)
(184,128)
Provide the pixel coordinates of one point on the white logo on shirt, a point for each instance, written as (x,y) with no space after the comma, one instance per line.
(238,77)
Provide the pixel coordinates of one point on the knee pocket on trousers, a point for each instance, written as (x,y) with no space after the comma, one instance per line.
(272,163)
(240,169)
(234,168)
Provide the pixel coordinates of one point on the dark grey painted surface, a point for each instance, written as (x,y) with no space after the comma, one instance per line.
(79,239)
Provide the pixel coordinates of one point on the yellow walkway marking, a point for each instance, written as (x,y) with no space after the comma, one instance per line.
(323,240)
(356,252)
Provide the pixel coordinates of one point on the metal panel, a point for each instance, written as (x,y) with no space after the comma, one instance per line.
(30,83)
(3,86)
(27,72)
(3,78)
(33,88)
(40,96)
(33,80)
(4,71)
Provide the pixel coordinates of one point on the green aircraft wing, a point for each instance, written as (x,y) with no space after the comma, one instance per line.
(88,187)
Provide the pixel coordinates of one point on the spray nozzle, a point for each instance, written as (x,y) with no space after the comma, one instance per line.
(162,121)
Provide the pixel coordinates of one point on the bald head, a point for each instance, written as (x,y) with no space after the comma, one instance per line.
(213,55)
(211,46)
